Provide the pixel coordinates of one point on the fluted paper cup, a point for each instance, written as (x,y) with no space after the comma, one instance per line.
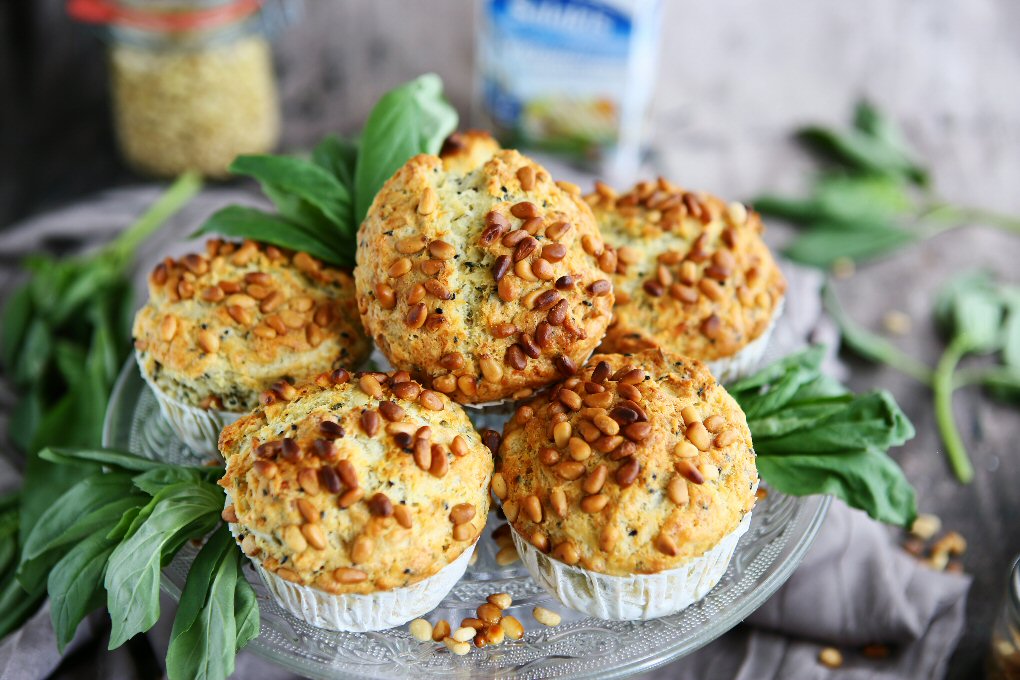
(631,598)
(198,428)
(747,360)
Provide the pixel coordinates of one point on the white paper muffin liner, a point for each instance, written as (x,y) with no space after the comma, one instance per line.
(631,598)
(746,361)
(357,613)
(198,428)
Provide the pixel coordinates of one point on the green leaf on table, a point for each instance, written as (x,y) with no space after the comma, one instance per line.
(68,517)
(157,479)
(860,152)
(872,420)
(203,641)
(185,511)
(411,119)
(880,127)
(243,222)
(869,201)
(970,307)
(867,480)
(17,314)
(75,584)
(106,457)
(825,243)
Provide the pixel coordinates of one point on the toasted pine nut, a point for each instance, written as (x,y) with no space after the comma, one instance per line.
(507,555)
(421,630)
(546,617)
(512,627)
(440,630)
(464,634)
(501,600)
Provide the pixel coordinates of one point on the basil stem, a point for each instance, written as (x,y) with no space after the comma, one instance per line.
(943,387)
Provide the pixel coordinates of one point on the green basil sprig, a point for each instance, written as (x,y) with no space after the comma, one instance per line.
(976,316)
(320,201)
(813,436)
(106,539)
(64,336)
(871,197)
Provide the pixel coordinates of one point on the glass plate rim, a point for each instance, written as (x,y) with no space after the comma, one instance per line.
(816,506)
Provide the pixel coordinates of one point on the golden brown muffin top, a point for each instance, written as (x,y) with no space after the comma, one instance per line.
(355,484)
(693,275)
(485,282)
(235,319)
(634,466)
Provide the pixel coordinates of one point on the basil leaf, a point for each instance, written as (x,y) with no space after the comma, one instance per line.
(246,608)
(790,209)
(408,120)
(859,152)
(62,516)
(827,242)
(871,121)
(204,634)
(76,585)
(809,360)
(292,177)
(107,457)
(154,481)
(1011,330)
(25,417)
(16,317)
(16,605)
(871,420)
(867,480)
(241,222)
(969,307)
(797,418)
(35,353)
(132,578)
(338,157)
(860,199)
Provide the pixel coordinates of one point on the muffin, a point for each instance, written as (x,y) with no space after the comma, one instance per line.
(628,485)
(359,500)
(480,275)
(220,328)
(693,276)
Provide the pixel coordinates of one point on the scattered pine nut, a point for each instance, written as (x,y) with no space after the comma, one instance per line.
(546,617)
(926,526)
(830,657)
(501,600)
(507,556)
(458,648)
(421,630)
(512,627)
(441,630)
(896,322)
(463,634)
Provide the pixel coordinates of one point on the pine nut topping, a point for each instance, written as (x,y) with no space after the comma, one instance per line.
(595,480)
(526,176)
(558,501)
(532,507)
(403,516)
(379,505)
(511,509)
(416,315)
(208,341)
(462,532)
(726,437)
(462,513)
(387,298)
(399,267)
(699,436)
(491,370)
(370,386)
(315,536)
(459,446)
(540,540)
(554,252)
(431,400)
(690,415)
(714,423)
(350,497)
(524,210)
(410,245)
(561,433)
(579,449)
(685,449)
(638,432)
(294,539)
(690,471)
(628,471)
(362,549)
(569,470)
(441,250)
(369,421)
(428,201)
(168,328)
(677,491)
(498,484)
(665,544)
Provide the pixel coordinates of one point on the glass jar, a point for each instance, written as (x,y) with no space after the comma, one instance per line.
(1004,661)
(191,81)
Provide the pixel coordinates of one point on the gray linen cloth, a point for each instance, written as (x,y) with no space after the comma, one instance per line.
(856,586)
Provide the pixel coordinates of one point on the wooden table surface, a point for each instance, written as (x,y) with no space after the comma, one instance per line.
(734,79)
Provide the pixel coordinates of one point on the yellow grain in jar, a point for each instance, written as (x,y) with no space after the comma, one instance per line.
(196,109)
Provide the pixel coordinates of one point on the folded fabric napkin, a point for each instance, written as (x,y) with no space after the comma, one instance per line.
(855,587)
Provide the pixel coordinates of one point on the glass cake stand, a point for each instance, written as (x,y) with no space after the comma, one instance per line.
(782,529)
